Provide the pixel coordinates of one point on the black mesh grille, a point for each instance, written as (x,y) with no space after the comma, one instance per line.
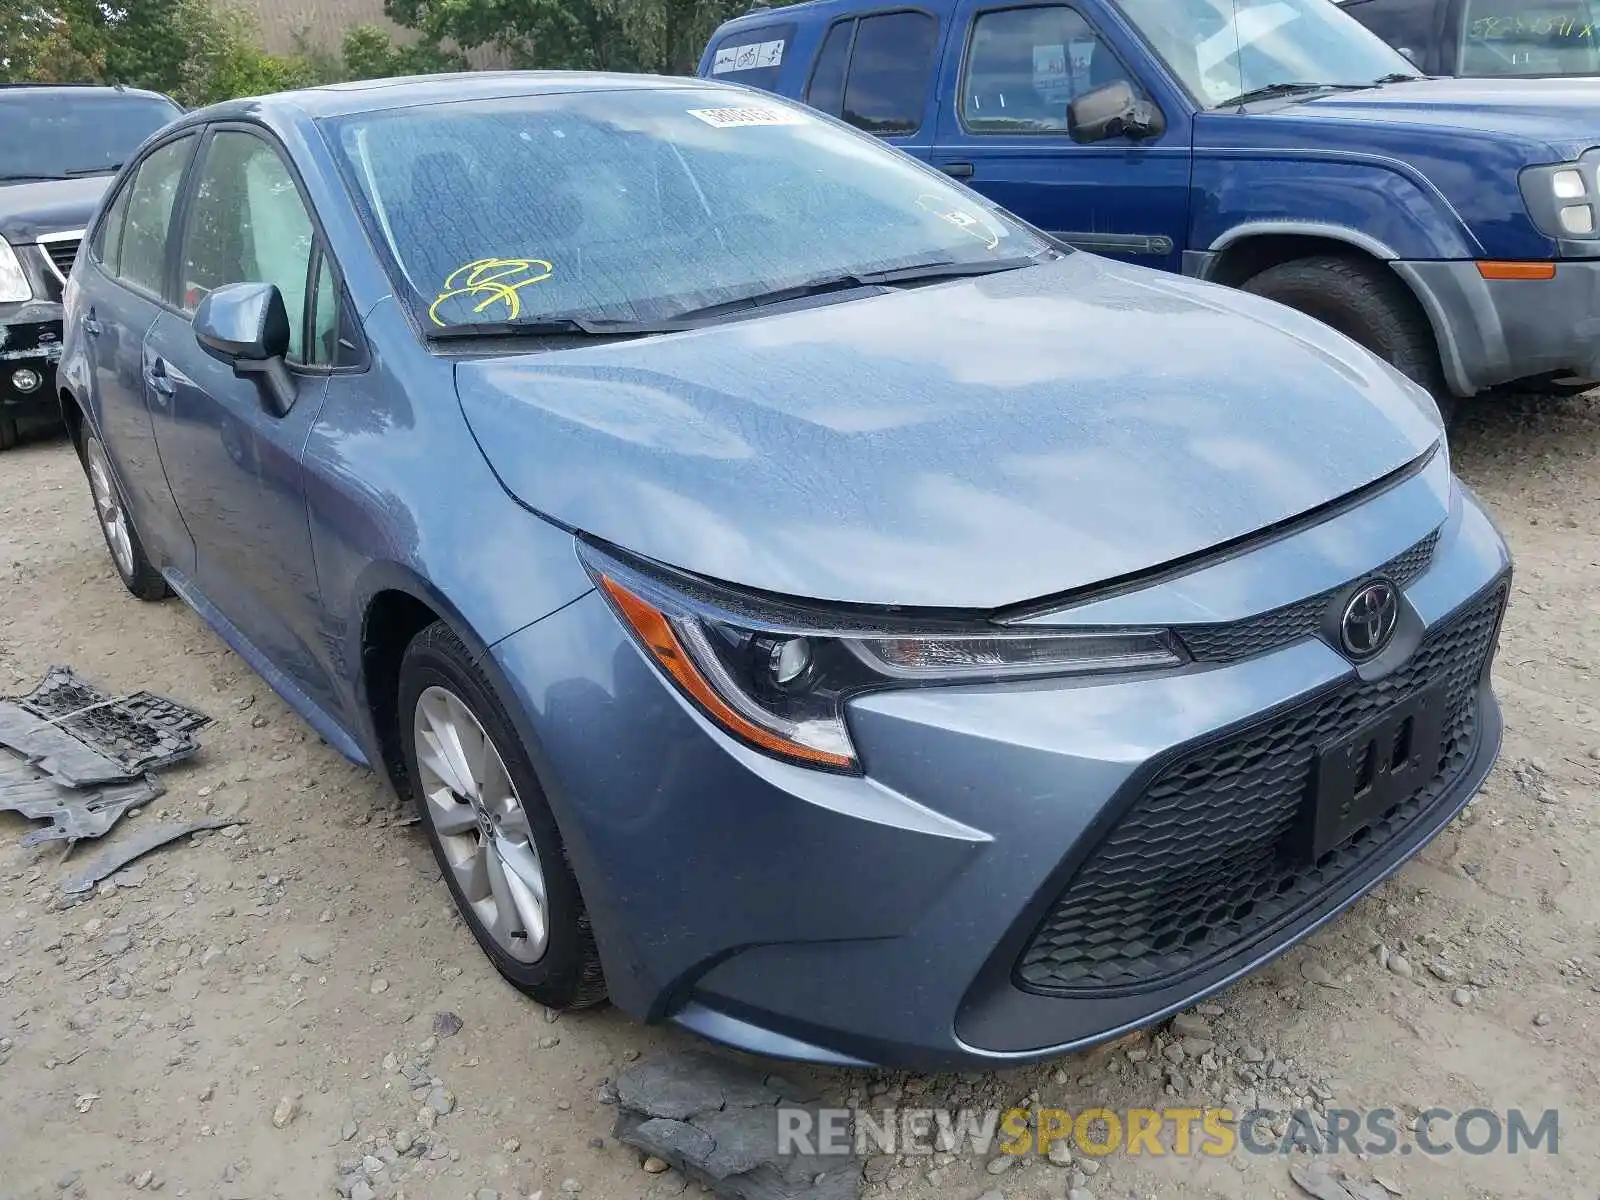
(62,253)
(1208,857)
(1295,622)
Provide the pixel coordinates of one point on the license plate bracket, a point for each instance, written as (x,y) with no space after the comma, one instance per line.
(1360,777)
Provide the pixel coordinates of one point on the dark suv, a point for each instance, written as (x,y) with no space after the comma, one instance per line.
(59,148)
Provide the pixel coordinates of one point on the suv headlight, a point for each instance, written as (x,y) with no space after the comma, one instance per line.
(776,674)
(14,285)
(1564,198)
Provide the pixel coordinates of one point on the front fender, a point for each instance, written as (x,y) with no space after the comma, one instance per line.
(1384,207)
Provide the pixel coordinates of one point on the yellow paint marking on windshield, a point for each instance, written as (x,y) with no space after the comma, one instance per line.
(969,223)
(492,281)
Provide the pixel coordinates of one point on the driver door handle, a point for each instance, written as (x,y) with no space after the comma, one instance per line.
(160,382)
(957,170)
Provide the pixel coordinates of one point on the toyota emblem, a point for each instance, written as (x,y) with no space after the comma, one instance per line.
(1369,619)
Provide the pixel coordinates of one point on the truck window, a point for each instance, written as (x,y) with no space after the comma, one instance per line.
(1025,65)
(753,56)
(1506,37)
(1404,24)
(875,71)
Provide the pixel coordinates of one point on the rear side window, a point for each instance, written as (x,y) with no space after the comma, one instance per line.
(142,261)
(875,71)
(753,56)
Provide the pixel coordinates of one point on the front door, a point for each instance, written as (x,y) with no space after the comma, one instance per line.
(235,468)
(1008,78)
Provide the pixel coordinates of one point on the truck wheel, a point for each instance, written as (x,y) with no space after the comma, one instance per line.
(8,432)
(1365,302)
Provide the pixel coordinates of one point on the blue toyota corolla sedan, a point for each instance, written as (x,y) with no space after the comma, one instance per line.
(804,603)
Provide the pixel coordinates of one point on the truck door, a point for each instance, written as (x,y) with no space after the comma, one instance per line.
(876,71)
(1005,84)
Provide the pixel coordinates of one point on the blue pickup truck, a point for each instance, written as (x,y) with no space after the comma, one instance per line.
(1277,146)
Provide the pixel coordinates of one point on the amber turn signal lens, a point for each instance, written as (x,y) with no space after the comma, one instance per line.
(656,635)
(1517,270)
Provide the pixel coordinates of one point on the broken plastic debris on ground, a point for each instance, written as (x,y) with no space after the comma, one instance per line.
(81,759)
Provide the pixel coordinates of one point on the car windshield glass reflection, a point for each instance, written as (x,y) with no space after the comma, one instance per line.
(642,206)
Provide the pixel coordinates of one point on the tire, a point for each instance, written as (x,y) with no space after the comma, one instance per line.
(133,566)
(8,433)
(476,832)
(1368,304)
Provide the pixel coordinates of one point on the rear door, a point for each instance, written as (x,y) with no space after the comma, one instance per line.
(123,286)
(1008,76)
(235,467)
(876,71)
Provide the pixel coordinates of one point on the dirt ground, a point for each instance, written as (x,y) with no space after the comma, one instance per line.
(148,1035)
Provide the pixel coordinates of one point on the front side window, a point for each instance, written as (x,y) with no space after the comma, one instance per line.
(1026,65)
(643,204)
(61,133)
(247,224)
(143,258)
(1225,49)
(1404,24)
(1505,37)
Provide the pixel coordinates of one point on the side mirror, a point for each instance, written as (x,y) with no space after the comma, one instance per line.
(1113,111)
(247,326)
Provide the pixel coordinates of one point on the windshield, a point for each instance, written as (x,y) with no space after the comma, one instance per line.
(1222,49)
(638,205)
(1504,37)
(57,134)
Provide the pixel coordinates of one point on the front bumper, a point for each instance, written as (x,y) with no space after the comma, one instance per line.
(30,341)
(1496,331)
(881,919)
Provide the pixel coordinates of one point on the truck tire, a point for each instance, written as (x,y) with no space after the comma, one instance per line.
(8,433)
(1368,304)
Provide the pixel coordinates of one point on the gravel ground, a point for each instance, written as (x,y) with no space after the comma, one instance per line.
(254,1014)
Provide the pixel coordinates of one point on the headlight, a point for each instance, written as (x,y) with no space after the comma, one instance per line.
(14,284)
(1562,197)
(777,674)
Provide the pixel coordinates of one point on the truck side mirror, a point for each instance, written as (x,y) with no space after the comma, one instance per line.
(1113,111)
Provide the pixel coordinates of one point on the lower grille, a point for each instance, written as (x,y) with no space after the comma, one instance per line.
(1207,858)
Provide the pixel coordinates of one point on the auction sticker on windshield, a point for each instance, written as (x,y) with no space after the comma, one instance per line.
(733,118)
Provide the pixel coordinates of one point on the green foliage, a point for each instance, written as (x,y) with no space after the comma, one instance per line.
(197,51)
(609,35)
(201,51)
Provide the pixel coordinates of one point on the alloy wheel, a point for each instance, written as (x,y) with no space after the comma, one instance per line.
(108,509)
(473,806)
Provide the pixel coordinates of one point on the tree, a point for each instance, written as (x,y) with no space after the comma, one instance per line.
(368,52)
(607,35)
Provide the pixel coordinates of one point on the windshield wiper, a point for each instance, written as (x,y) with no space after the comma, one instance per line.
(1268,91)
(28,178)
(554,327)
(1395,77)
(79,172)
(850,280)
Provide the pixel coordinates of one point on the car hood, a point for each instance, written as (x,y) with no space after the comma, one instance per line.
(1561,113)
(967,444)
(30,210)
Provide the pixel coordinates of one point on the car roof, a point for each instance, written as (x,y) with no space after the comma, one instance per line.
(78,89)
(374,95)
(808,9)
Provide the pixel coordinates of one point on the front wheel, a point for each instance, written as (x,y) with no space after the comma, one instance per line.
(1368,304)
(494,836)
(8,433)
